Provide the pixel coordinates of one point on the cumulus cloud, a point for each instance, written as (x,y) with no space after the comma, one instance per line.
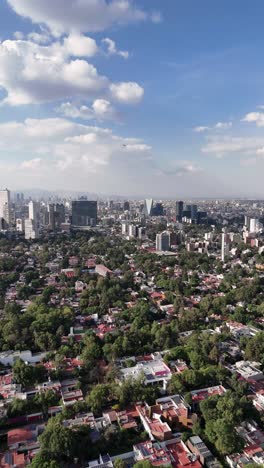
(64,144)
(255,117)
(35,73)
(217,126)
(101,110)
(62,16)
(112,49)
(127,93)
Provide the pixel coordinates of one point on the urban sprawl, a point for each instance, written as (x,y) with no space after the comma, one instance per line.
(132,333)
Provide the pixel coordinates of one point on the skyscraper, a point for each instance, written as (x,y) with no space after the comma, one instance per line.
(32,210)
(84,213)
(225,244)
(163,241)
(31,231)
(32,223)
(179,210)
(126,206)
(148,207)
(5,206)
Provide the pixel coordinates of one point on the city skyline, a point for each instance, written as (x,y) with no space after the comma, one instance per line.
(132,98)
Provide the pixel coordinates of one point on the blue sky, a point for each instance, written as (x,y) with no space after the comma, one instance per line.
(144,97)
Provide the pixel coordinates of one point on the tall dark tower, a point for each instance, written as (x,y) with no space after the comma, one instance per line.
(179,210)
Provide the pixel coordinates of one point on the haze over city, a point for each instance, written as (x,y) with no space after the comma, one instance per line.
(161,98)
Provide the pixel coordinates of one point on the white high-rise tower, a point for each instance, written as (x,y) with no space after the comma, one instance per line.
(5,205)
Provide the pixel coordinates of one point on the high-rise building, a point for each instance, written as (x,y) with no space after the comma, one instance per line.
(84,213)
(158,210)
(254,225)
(148,207)
(5,207)
(33,210)
(163,241)
(126,206)
(179,210)
(20,225)
(31,231)
(225,244)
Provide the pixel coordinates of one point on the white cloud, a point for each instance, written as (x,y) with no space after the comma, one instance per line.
(80,46)
(217,126)
(138,147)
(112,49)
(33,73)
(64,16)
(254,117)
(220,145)
(181,168)
(127,92)
(260,151)
(100,110)
(32,164)
(201,129)
(65,145)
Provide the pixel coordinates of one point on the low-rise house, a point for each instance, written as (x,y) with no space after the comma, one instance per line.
(198,447)
(152,368)
(7,358)
(204,393)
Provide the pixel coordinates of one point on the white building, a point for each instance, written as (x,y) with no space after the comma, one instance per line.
(31,230)
(163,241)
(33,210)
(20,225)
(254,225)
(7,358)
(5,206)
(154,370)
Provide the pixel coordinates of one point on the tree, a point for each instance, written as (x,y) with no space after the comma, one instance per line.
(57,441)
(40,461)
(26,375)
(119,463)
(99,396)
(227,440)
(143,464)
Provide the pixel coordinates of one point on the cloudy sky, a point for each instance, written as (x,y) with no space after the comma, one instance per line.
(133,97)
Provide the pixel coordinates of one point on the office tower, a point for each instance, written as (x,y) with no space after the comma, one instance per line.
(33,210)
(56,215)
(51,216)
(194,210)
(158,210)
(202,217)
(148,207)
(141,232)
(124,228)
(126,206)
(246,221)
(84,213)
(132,230)
(225,244)
(254,225)
(163,241)
(31,231)
(5,207)
(179,210)
(20,225)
